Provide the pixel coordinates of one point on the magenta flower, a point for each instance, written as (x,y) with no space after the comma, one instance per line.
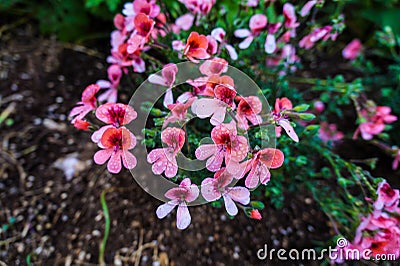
(196,47)
(164,159)
(116,114)
(144,26)
(329,132)
(87,103)
(227,145)
(213,189)
(114,76)
(257,24)
(212,47)
(307,7)
(202,7)
(178,111)
(324,33)
(248,110)
(290,16)
(375,121)
(281,119)
(216,107)
(352,50)
(185,22)
(167,79)
(180,196)
(219,34)
(259,166)
(116,143)
(388,198)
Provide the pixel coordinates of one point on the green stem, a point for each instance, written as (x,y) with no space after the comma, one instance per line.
(107,226)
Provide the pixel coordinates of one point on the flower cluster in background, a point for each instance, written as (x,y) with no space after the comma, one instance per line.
(271,41)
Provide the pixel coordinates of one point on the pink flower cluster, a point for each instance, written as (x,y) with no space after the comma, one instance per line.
(374,120)
(379,231)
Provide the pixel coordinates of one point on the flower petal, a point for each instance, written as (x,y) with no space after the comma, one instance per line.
(240,194)
(102,156)
(166,208)
(114,164)
(230,206)
(183,218)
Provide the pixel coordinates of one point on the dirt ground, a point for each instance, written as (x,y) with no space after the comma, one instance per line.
(49,220)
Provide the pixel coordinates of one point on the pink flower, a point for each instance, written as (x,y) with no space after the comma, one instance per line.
(114,75)
(259,166)
(121,57)
(180,196)
(164,159)
(116,114)
(281,119)
(178,111)
(388,198)
(216,108)
(215,66)
(227,145)
(185,22)
(87,103)
(329,132)
(257,23)
(307,7)
(144,27)
(167,79)
(290,16)
(148,7)
(317,34)
(212,47)
(213,189)
(196,47)
(198,6)
(375,121)
(352,50)
(116,143)
(219,34)
(248,110)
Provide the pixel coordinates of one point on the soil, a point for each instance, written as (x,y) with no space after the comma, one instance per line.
(49,220)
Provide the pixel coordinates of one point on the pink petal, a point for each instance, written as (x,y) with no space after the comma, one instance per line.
(270,44)
(264,174)
(96,136)
(242,33)
(168,98)
(230,206)
(246,43)
(114,164)
(209,190)
(159,167)
(156,79)
(193,193)
(183,218)
(214,163)
(289,129)
(253,177)
(104,84)
(129,160)
(218,34)
(101,156)
(231,51)
(172,167)
(307,8)
(218,116)
(138,65)
(166,208)
(185,22)
(240,194)
(184,97)
(205,151)
(205,107)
